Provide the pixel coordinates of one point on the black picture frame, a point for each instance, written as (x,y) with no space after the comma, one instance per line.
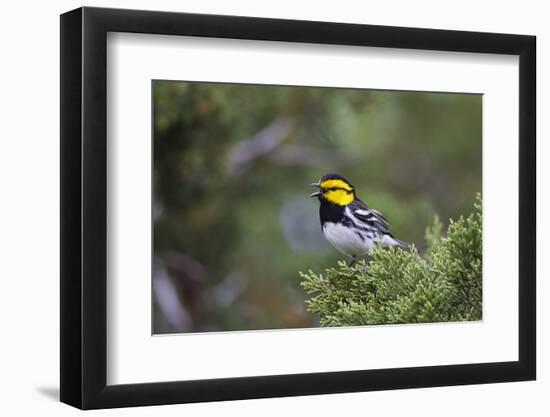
(84,207)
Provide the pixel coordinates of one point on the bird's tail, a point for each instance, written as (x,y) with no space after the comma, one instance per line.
(401,244)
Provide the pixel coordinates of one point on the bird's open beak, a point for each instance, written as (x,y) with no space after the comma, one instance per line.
(316,193)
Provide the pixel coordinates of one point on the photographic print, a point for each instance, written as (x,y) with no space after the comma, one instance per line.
(305,209)
(281,207)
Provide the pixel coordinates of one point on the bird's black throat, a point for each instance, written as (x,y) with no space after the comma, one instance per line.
(330,212)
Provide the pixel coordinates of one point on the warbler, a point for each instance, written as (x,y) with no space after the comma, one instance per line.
(347,223)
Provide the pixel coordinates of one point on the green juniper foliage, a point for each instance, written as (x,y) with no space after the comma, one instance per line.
(400,286)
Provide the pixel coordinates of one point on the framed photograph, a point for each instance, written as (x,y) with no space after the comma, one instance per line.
(257,208)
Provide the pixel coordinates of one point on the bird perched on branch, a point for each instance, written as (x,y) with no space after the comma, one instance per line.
(347,223)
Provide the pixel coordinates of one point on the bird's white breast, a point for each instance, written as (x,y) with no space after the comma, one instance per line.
(346,240)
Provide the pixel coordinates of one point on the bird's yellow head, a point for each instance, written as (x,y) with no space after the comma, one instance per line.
(335,189)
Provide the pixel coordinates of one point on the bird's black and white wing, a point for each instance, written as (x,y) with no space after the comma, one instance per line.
(374,219)
(371,217)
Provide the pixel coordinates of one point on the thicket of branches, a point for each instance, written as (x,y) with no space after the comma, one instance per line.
(401,286)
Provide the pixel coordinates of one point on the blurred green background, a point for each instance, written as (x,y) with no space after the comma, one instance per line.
(232,166)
